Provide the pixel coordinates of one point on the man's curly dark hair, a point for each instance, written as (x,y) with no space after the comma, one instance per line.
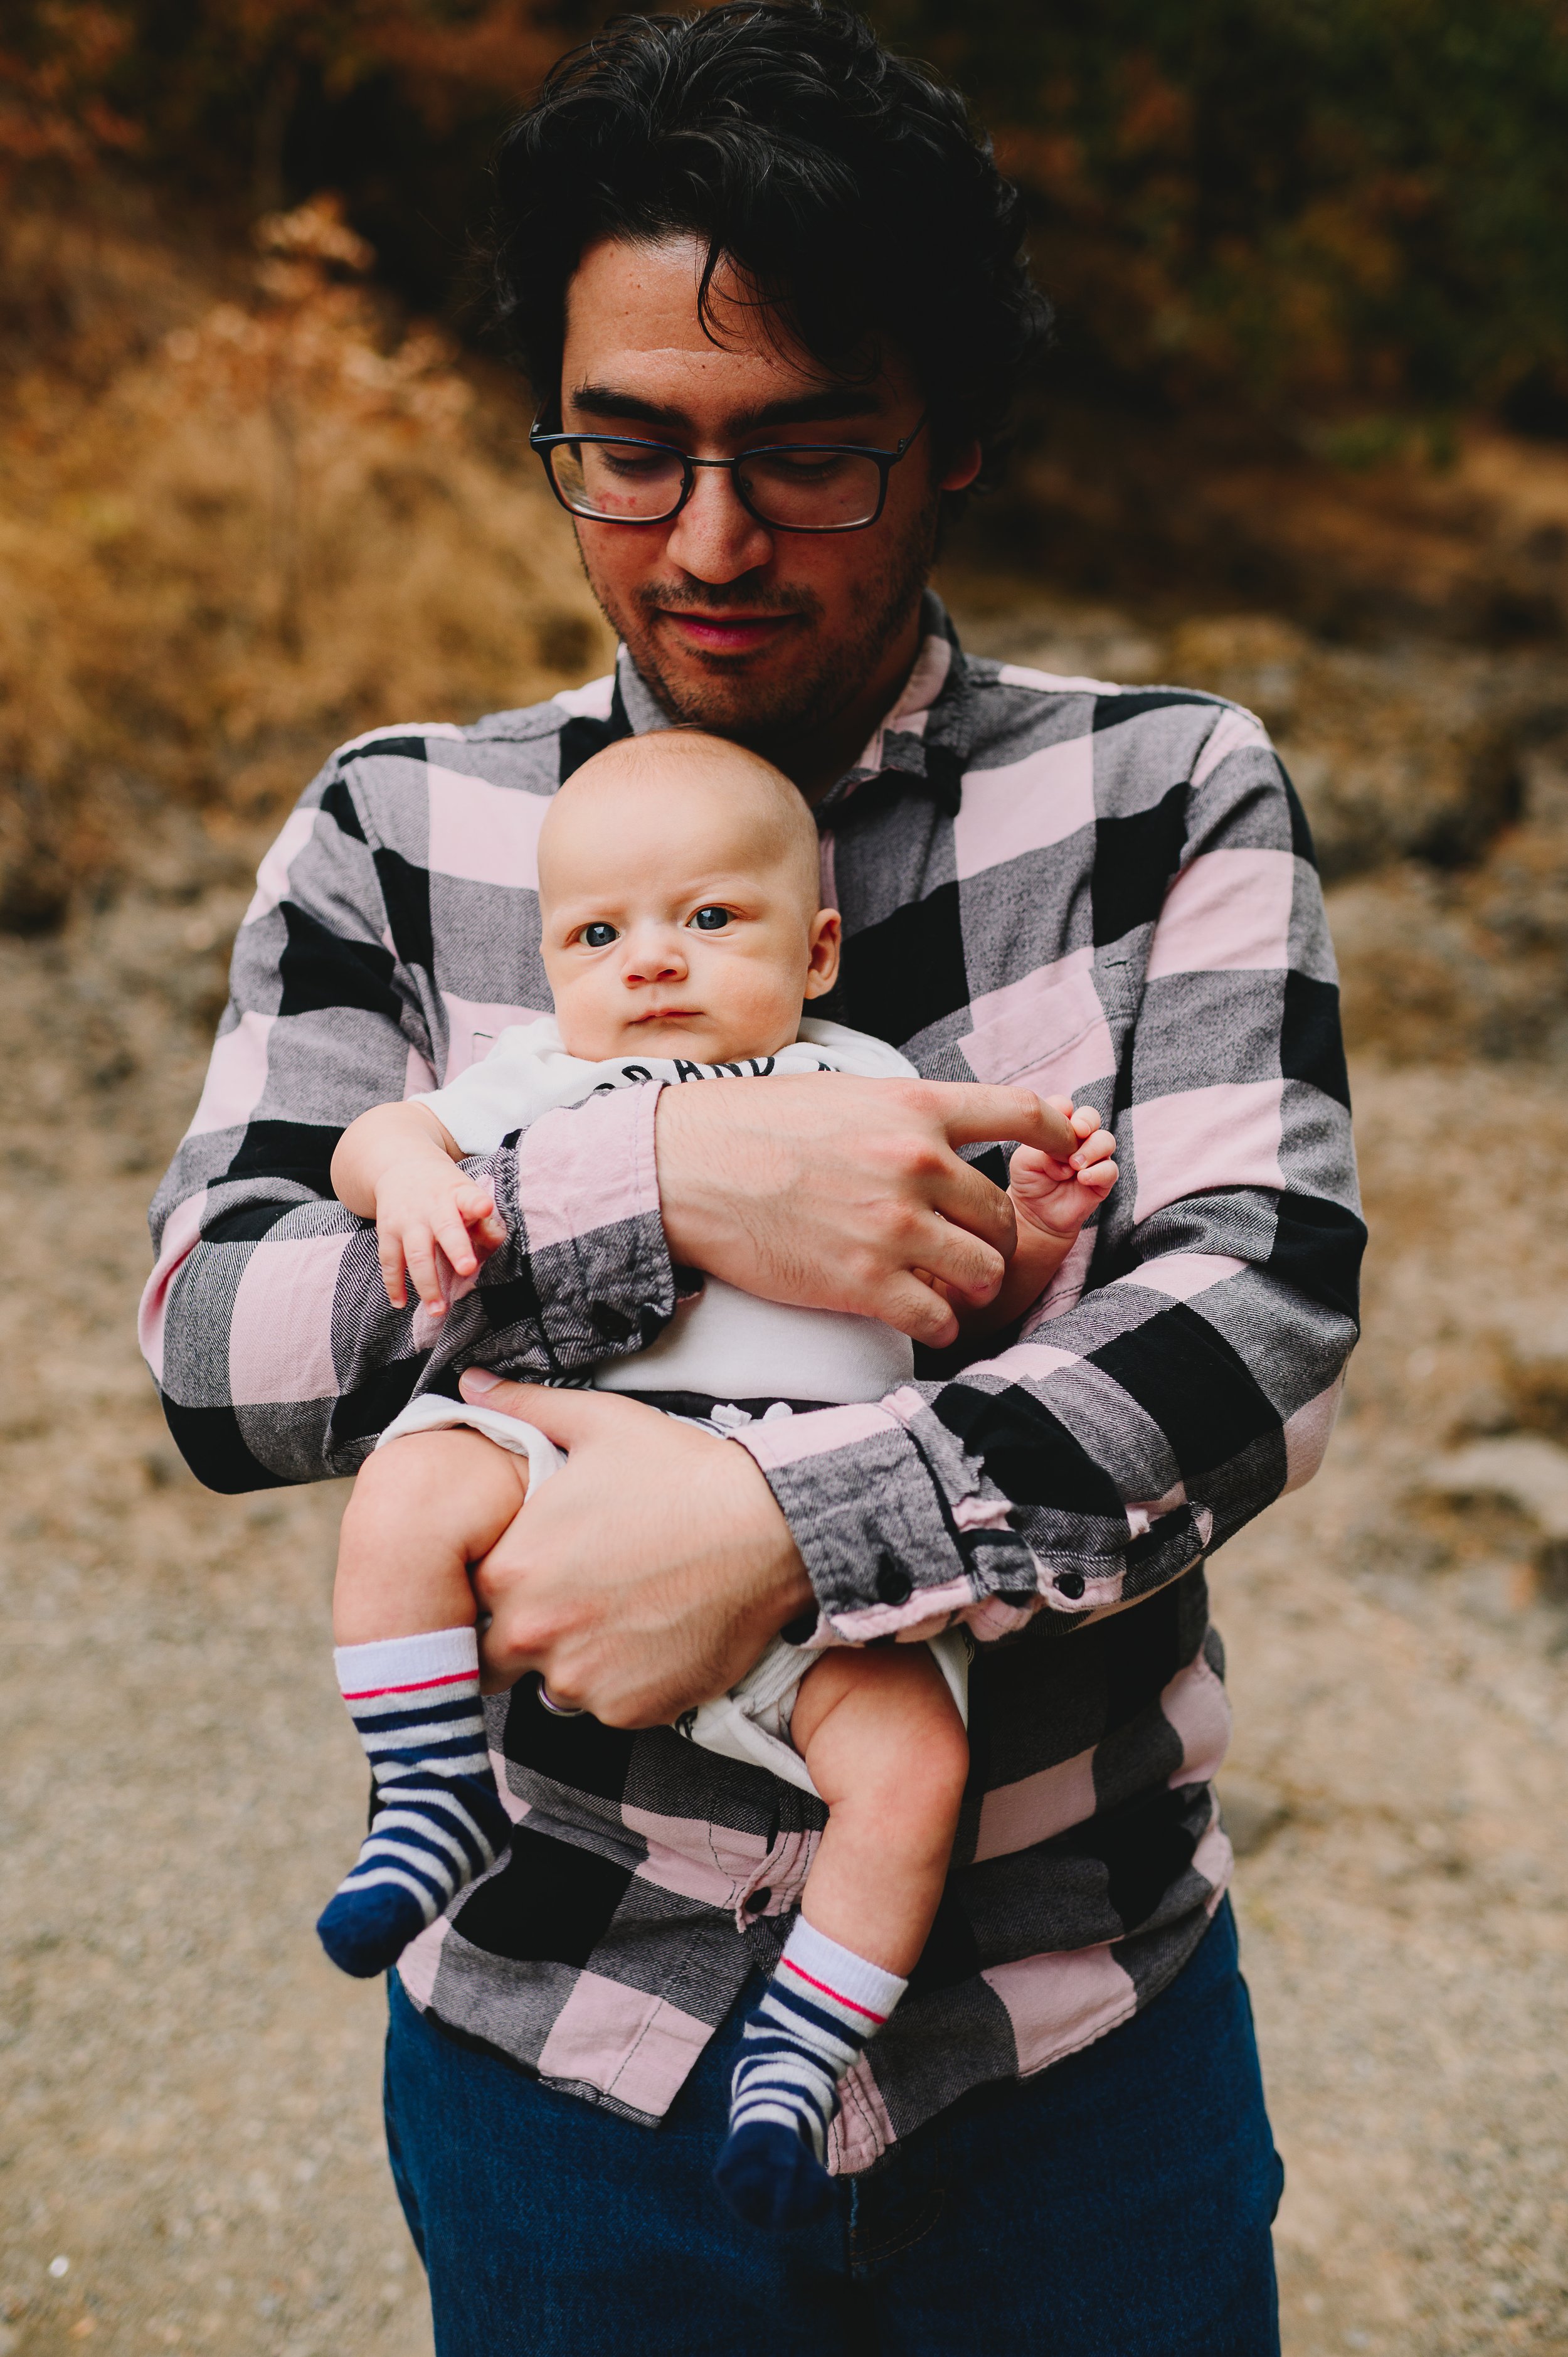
(847,184)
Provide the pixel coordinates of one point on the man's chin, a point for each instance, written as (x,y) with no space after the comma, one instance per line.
(751,697)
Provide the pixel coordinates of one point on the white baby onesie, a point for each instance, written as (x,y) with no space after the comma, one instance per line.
(726,1344)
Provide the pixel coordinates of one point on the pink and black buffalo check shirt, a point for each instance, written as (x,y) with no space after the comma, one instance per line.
(1044,881)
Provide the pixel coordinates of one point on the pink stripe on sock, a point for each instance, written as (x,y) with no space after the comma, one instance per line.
(420,1685)
(877,2018)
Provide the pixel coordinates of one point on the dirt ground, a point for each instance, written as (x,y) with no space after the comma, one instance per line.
(191,2145)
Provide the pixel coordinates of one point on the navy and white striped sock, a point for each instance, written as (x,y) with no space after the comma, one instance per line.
(438,1820)
(807,2029)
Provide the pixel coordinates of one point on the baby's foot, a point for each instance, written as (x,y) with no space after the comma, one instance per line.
(808,2028)
(769,2177)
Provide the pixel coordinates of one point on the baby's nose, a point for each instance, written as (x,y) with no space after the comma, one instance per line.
(659,960)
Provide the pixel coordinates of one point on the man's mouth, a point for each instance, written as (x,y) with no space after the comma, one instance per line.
(727,634)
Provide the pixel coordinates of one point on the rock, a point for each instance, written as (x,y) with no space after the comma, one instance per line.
(1252,1814)
(35,881)
(1395,755)
(1534,1350)
(1522,1468)
(1529,1473)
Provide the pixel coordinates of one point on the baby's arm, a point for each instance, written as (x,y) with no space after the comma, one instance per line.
(1051,1199)
(399,1166)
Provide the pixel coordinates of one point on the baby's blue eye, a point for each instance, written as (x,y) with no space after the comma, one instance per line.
(598,936)
(710,920)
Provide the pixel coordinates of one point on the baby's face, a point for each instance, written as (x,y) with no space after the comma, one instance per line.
(677,919)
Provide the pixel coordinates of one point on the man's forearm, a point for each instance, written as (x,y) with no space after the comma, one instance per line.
(1087,1466)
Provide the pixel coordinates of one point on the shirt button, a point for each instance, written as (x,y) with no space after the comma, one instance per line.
(757,1900)
(612,1323)
(892,1585)
(1070,1584)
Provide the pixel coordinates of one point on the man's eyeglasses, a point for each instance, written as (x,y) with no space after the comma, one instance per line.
(790,487)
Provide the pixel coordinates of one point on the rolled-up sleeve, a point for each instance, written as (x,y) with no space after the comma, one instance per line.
(1189,1374)
(265,1323)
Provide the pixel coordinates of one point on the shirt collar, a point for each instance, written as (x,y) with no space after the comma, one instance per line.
(918,746)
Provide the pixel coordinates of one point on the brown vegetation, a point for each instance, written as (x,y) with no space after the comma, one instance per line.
(242,520)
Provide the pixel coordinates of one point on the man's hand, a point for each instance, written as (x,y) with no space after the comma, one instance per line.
(833,1192)
(648,1575)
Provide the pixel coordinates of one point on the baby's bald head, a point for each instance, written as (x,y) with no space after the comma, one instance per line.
(681,902)
(691,780)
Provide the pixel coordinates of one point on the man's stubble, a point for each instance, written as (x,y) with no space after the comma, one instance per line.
(815,688)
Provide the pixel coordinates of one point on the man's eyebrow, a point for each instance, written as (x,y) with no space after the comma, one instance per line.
(830,406)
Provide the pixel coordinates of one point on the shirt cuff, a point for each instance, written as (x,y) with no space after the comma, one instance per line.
(586,1269)
(899,1533)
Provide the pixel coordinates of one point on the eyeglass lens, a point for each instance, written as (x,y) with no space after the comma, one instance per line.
(804,491)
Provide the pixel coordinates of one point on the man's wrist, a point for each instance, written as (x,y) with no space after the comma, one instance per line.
(687,1234)
(786,1593)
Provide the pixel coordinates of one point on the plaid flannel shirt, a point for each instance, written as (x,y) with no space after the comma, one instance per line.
(1044,881)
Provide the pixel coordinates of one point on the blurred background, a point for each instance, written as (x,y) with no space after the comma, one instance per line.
(1304,440)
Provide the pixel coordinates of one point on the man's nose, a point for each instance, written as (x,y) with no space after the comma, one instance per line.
(713,538)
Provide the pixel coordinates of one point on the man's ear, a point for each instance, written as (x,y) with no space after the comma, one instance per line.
(825,939)
(960,469)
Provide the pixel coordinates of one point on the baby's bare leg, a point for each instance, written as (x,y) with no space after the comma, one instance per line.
(888,1752)
(887,1749)
(423,1508)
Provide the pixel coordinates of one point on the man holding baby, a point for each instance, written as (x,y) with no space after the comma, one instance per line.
(769,290)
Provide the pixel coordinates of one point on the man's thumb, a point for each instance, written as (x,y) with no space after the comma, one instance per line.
(564,1417)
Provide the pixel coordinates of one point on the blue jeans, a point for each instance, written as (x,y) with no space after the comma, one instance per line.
(1117,2205)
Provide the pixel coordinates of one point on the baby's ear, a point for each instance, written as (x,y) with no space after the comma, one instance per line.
(823,942)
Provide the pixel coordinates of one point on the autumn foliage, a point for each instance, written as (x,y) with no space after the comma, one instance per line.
(1333,209)
(280,517)
(250,505)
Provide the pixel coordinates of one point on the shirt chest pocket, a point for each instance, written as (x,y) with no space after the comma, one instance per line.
(1053,1036)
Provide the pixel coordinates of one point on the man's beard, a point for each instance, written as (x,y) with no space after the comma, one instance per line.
(814,688)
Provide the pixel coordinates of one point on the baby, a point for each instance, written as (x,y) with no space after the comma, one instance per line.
(681,933)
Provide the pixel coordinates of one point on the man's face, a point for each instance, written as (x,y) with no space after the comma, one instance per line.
(755,634)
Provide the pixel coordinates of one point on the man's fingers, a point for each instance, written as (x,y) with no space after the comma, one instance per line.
(567,1418)
(971,1266)
(968,1202)
(912,1309)
(973,1114)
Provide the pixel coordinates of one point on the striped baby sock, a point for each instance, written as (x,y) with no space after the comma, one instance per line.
(438,1820)
(806,2030)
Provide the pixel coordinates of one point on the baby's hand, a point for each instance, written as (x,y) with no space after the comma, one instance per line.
(1056,1197)
(426,1209)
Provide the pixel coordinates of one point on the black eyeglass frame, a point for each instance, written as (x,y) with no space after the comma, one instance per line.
(885,460)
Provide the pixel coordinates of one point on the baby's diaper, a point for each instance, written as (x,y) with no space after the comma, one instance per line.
(751,1723)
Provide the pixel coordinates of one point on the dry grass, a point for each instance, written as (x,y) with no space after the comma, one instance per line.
(286,520)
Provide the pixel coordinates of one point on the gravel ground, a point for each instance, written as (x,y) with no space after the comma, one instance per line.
(190,2151)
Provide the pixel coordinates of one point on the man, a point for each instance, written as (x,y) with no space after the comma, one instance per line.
(743,233)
